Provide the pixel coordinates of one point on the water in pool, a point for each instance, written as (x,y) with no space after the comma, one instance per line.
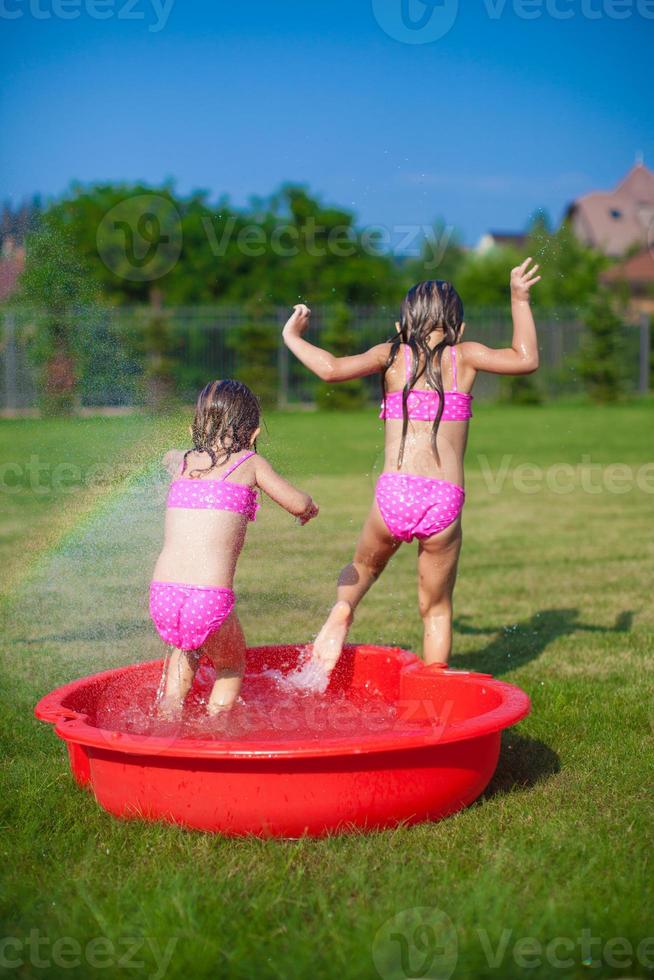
(272,706)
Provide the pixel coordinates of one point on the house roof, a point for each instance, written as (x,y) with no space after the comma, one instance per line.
(637,271)
(508,237)
(615,220)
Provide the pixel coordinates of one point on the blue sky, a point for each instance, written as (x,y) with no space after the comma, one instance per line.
(513,109)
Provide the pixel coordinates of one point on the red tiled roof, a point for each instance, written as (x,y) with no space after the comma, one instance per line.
(637,271)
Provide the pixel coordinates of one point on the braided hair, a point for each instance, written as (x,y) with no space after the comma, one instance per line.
(428,306)
(226,415)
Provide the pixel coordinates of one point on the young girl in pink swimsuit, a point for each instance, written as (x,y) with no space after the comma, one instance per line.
(208,508)
(427,375)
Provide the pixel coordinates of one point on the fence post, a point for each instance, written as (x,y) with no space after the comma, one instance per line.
(645,354)
(282,372)
(10,363)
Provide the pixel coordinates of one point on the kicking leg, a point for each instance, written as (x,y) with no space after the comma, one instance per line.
(375,547)
(437,563)
(226,650)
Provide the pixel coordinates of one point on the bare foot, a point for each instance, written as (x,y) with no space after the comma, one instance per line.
(328,645)
(225,692)
(220,704)
(215,708)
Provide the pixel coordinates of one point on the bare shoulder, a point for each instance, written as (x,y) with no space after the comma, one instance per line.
(261,464)
(172,461)
(470,352)
(382,352)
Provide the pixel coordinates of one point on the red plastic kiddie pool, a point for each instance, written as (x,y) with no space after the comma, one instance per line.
(398,741)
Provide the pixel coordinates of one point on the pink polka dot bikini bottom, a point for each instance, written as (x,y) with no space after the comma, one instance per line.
(187,615)
(416,506)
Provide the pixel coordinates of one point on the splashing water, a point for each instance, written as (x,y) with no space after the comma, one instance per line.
(273,707)
(162,683)
(310,675)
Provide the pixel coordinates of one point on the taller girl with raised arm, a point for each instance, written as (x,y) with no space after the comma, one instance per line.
(427,375)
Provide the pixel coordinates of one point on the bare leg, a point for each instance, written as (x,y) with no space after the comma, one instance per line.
(375,547)
(226,650)
(179,677)
(437,563)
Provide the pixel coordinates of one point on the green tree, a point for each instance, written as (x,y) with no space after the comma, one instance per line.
(127,236)
(158,349)
(570,270)
(521,389)
(600,362)
(133,238)
(55,286)
(255,344)
(339,338)
(442,257)
(483,280)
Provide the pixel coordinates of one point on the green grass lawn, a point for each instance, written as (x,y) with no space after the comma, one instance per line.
(554,594)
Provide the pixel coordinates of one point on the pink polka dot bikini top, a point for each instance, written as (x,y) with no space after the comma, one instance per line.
(422,403)
(215,494)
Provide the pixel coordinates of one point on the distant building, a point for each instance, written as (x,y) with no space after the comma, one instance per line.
(638,273)
(615,221)
(500,239)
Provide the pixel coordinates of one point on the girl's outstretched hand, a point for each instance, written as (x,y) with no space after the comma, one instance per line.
(523,277)
(298,321)
(311,512)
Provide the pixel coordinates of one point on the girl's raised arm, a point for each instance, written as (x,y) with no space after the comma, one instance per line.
(321,362)
(522,356)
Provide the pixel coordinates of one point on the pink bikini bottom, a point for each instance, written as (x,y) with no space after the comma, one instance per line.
(186,615)
(416,506)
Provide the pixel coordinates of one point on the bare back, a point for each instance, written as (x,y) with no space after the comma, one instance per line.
(452,438)
(202,547)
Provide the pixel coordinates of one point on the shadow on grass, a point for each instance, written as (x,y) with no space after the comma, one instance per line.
(518,644)
(523,763)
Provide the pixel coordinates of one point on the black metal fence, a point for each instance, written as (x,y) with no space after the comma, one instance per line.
(112,357)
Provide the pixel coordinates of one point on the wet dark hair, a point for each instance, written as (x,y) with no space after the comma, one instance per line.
(430,305)
(226,415)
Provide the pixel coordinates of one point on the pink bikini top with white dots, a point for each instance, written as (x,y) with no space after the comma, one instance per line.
(215,494)
(422,403)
